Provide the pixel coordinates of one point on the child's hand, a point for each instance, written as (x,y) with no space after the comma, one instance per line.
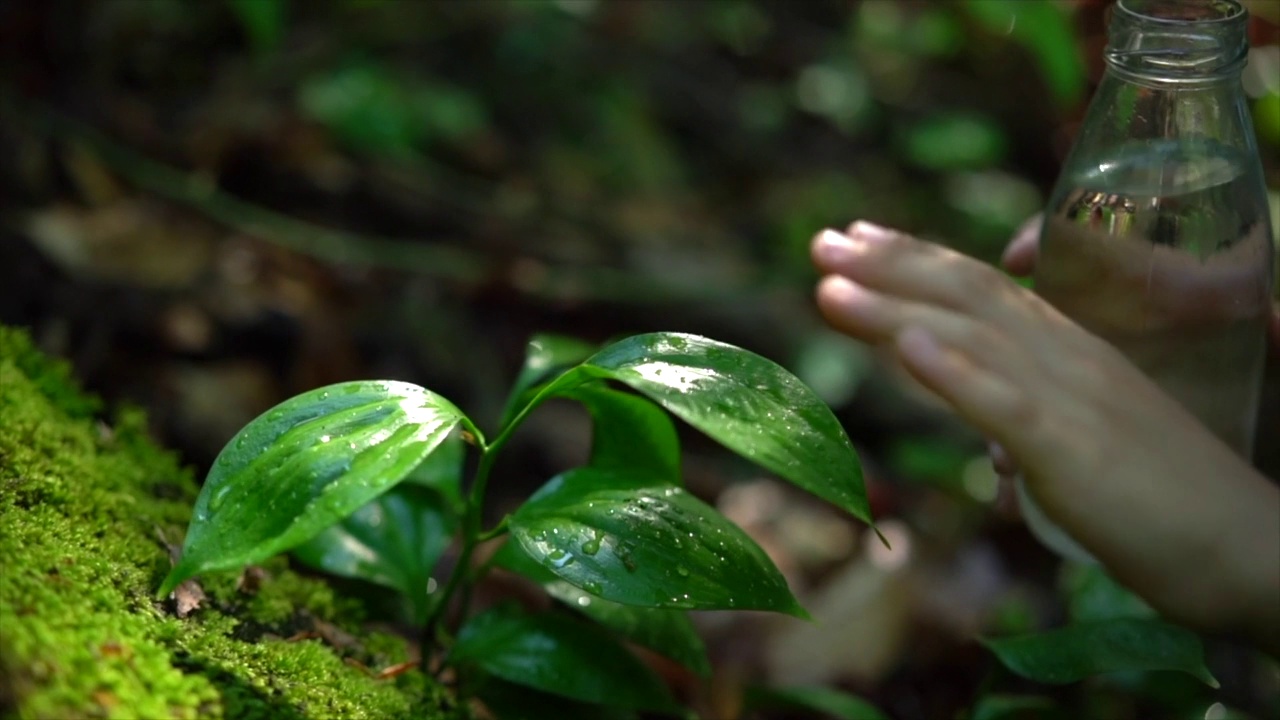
(1122,467)
(1022,251)
(1019,259)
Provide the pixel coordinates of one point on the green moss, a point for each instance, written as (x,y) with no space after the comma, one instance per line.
(83,508)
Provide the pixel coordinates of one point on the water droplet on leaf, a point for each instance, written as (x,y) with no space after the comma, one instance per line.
(219,496)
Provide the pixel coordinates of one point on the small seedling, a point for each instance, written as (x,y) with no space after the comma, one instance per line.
(363,479)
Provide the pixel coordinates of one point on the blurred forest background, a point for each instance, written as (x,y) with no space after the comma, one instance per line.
(210,206)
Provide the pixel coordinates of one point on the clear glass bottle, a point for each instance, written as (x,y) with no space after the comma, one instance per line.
(1157,235)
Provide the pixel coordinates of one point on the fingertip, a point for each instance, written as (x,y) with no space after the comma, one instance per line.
(1019,257)
(829,248)
(833,288)
(837,296)
(1001,461)
(870,232)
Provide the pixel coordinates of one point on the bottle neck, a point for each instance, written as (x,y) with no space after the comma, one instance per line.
(1177,44)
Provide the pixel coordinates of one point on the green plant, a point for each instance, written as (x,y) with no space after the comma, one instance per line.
(363,479)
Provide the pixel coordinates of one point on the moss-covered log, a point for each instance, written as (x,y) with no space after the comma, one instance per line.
(86,509)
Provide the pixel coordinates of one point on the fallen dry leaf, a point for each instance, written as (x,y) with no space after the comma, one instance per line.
(187,598)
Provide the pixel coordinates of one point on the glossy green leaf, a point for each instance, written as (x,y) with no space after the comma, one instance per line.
(442,470)
(509,701)
(306,464)
(512,558)
(1016,707)
(625,539)
(747,403)
(1074,652)
(545,356)
(395,540)
(815,702)
(667,632)
(1093,595)
(561,655)
(630,432)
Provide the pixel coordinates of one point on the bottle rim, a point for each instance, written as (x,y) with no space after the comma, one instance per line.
(1177,42)
(1183,12)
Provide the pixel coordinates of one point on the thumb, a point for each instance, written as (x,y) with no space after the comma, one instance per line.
(1020,256)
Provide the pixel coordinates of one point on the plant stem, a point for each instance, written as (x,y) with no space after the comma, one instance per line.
(471,534)
(496,531)
(470,537)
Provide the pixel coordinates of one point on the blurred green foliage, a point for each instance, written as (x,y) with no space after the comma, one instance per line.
(263,21)
(1045,29)
(375,111)
(786,118)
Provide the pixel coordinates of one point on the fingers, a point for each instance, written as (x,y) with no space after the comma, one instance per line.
(899,265)
(1020,256)
(993,405)
(1001,461)
(879,319)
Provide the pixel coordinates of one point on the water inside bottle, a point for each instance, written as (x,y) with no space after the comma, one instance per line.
(1164,250)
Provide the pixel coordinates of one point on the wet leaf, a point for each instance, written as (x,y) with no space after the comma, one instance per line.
(1016,707)
(747,403)
(395,541)
(667,632)
(627,539)
(560,655)
(511,558)
(545,355)
(513,702)
(630,433)
(815,702)
(306,464)
(1092,595)
(1074,652)
(442,470)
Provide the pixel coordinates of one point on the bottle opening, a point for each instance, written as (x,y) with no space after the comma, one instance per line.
(1182,11)
(1178,41)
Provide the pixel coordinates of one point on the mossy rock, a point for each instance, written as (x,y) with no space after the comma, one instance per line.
(85,509)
